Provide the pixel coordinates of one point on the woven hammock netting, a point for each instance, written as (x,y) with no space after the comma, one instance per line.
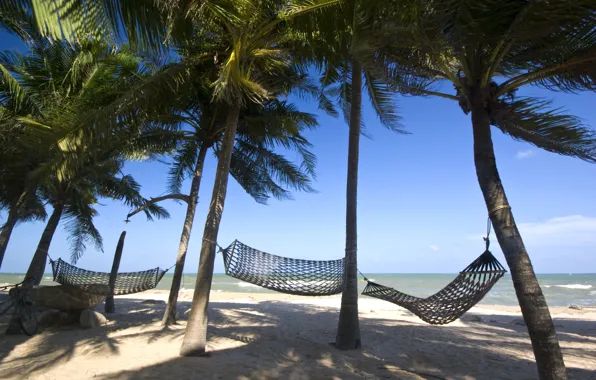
(97,283)
(451,302)
(283,274)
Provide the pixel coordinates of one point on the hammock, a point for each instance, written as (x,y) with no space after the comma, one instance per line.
(451,302)
(97,283)
(282,274)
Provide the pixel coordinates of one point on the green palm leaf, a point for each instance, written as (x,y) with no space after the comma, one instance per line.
(534,121)
(182,165)
(81,230)
(383,101)
(145,24)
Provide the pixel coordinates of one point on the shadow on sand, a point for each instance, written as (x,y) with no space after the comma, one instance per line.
(260,341)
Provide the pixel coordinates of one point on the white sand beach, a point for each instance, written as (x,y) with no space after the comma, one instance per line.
(275,336)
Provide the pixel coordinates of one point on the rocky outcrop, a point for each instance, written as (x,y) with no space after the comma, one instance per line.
(91,318)
(63,297)
(57,318)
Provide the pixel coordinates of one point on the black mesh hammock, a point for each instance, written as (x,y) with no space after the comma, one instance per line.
(283,274)
(451,302)
(97,283)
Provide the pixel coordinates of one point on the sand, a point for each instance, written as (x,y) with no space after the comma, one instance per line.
(275,336)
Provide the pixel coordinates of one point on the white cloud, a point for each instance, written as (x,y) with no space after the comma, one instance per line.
(569,230)
(523,154)
(433,248)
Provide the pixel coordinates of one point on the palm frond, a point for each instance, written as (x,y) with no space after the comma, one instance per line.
(263,173)
(298,8)
(383,101)
(145,24)
(155,140)
(182,165)
(255,181)
(81,230)
(535,121)
(132,106)
(11,88)
(16,19)
(32,209)
(126,190)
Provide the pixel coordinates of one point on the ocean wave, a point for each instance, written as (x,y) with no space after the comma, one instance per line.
(246,285)
(574,286)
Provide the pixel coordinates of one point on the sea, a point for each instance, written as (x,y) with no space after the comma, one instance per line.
(559,289)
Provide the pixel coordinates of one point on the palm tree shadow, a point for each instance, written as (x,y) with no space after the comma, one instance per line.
(55,346)
(10,342)
(273,340)
(401,350)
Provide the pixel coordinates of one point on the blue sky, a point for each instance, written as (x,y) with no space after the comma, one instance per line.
(420,207)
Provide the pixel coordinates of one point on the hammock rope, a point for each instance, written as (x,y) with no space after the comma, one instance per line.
(97,283)
(283,274)
(455,299)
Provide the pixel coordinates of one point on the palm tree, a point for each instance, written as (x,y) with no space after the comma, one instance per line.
(331,35)
(252,64)
(56,82)
(488,50)
(249,65)
(20,205)
(74,200)
(256,167)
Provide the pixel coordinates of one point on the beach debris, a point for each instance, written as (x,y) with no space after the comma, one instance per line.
(91,318)
(575,307)
(518,322)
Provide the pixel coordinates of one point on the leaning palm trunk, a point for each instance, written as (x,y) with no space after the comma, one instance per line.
(195,336)
(170,313)
(348,329)
(109,306)
(38,264)
(11,221)
(531,300)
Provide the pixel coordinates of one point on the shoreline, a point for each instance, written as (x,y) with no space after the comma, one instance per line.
(559,290)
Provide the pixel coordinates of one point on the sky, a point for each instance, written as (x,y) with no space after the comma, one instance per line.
(420,209)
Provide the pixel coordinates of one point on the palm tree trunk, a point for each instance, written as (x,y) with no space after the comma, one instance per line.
(531,300)
(38,264)
(170,313)
(110,307)
(11,221)
(195,336)
(348,328)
